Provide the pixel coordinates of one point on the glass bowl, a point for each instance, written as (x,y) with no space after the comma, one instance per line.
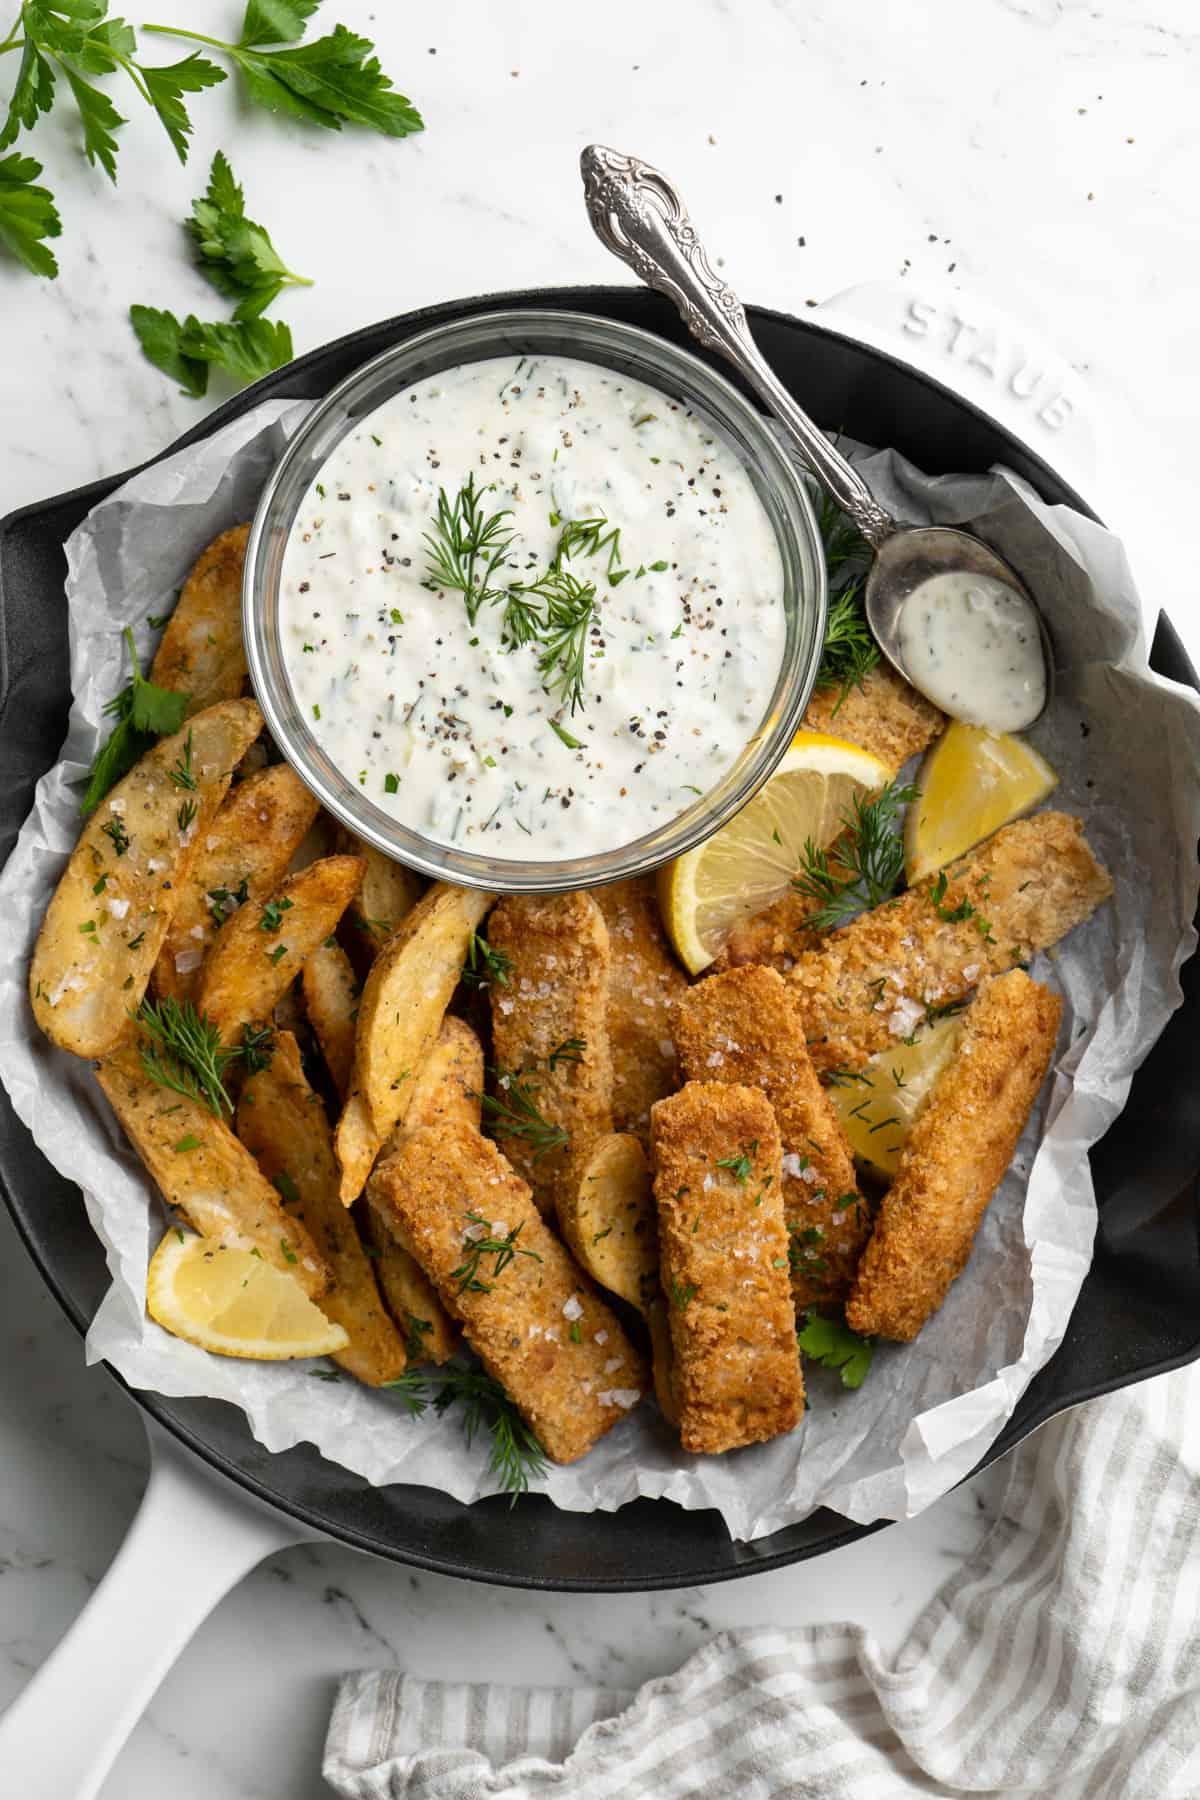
(780,489)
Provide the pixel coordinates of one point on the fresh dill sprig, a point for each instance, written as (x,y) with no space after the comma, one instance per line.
(468,546)
(850,651)
(181,771)
(181,1050)
(514,1113)
(479,1240)
(588,537)
(842,540)
(869,856)
(484,964)
(569,1051)
(516,1457)
(256,1048)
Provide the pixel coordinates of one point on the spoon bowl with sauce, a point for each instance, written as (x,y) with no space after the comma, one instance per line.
(950,614)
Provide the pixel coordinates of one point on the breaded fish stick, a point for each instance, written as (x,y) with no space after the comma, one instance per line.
(885,716)
(535,1320)
(556,999)
(743,1026)
(955,1157)
(446,1092)
(870,982)
(644,982)
(283,1125)
(724,1246)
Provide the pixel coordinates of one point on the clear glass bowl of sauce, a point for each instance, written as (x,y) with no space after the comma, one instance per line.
(423,729)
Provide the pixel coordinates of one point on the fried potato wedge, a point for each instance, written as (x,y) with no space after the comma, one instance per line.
(388,894)
(244,855)
(283,1125)
(201,652)
(399,1016)
(611,1228)
(204,1171)
(265,945)
(105,926)
(430,1334)
(540,1327)
(331,994)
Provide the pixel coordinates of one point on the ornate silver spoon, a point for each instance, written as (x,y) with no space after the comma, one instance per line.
(951,615)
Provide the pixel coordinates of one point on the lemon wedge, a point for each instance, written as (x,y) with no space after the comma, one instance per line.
(878,1106)
(233,1303)
(971,783)
(750,862)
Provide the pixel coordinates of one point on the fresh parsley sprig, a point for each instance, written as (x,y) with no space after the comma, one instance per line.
(144,712)
(186,350)
(329,81)
(28,215)
(829,1342)
(866,864)
(516,1457)
(234,252)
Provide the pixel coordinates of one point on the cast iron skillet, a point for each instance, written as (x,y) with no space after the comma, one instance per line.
(1139,1311)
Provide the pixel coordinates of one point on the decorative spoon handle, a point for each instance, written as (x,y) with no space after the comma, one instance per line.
(638,215)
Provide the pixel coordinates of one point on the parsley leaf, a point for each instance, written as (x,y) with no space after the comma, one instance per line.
(165,85)
(245,349)
(330,81)
(27,214)
(100,119)
(835,1346)
(33,93)
(144,712)
(236,254)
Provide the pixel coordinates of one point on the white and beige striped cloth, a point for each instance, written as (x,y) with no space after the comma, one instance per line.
(1062,1660)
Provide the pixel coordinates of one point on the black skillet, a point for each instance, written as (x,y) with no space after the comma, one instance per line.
(1139,1309)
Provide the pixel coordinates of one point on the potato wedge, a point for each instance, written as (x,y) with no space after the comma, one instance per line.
(204,1171)
(399,1016)
(266,944)
(105,926)
(388,894)
(331,994)
(430,1334)
(201,652)
(612,1229)
(283,1125)
(243,856)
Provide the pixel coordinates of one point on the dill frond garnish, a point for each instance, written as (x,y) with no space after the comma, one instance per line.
(483,964)
(869,856)
(850,651)
(181,1050)
(513,1112)
(479,1240)
(516,1457)
(468,546)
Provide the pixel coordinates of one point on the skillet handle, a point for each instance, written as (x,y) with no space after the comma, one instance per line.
(192,1540)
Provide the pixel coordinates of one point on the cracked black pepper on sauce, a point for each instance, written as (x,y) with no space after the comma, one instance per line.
(442,726)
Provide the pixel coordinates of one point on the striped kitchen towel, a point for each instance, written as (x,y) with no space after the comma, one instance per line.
(1062,1660)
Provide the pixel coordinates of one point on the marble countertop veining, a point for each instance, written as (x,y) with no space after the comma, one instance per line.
(1039,154)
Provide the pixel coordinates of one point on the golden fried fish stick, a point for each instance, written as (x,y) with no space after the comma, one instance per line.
(283,1125)
(717,1184)
(870,983)
(955,1157)
(445,1093)
(743,1026)
(884,716)
(550,1022)
(535,1320)
(644,982)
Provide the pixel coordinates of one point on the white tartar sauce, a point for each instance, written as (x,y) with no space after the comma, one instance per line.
(971,643)
(443,724)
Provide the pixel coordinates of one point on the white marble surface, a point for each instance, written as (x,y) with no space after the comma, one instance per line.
(1039,156)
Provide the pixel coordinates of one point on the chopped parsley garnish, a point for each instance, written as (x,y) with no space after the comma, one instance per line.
(391,784)
(187,1143)
(740,1165)
(287,1188)
(222,901)
(272,915)
(289,1255)
(682,1294)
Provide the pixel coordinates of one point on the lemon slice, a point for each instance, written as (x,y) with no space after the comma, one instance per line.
(233,1303)
(971,783)
(750,862)
(877,1108)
